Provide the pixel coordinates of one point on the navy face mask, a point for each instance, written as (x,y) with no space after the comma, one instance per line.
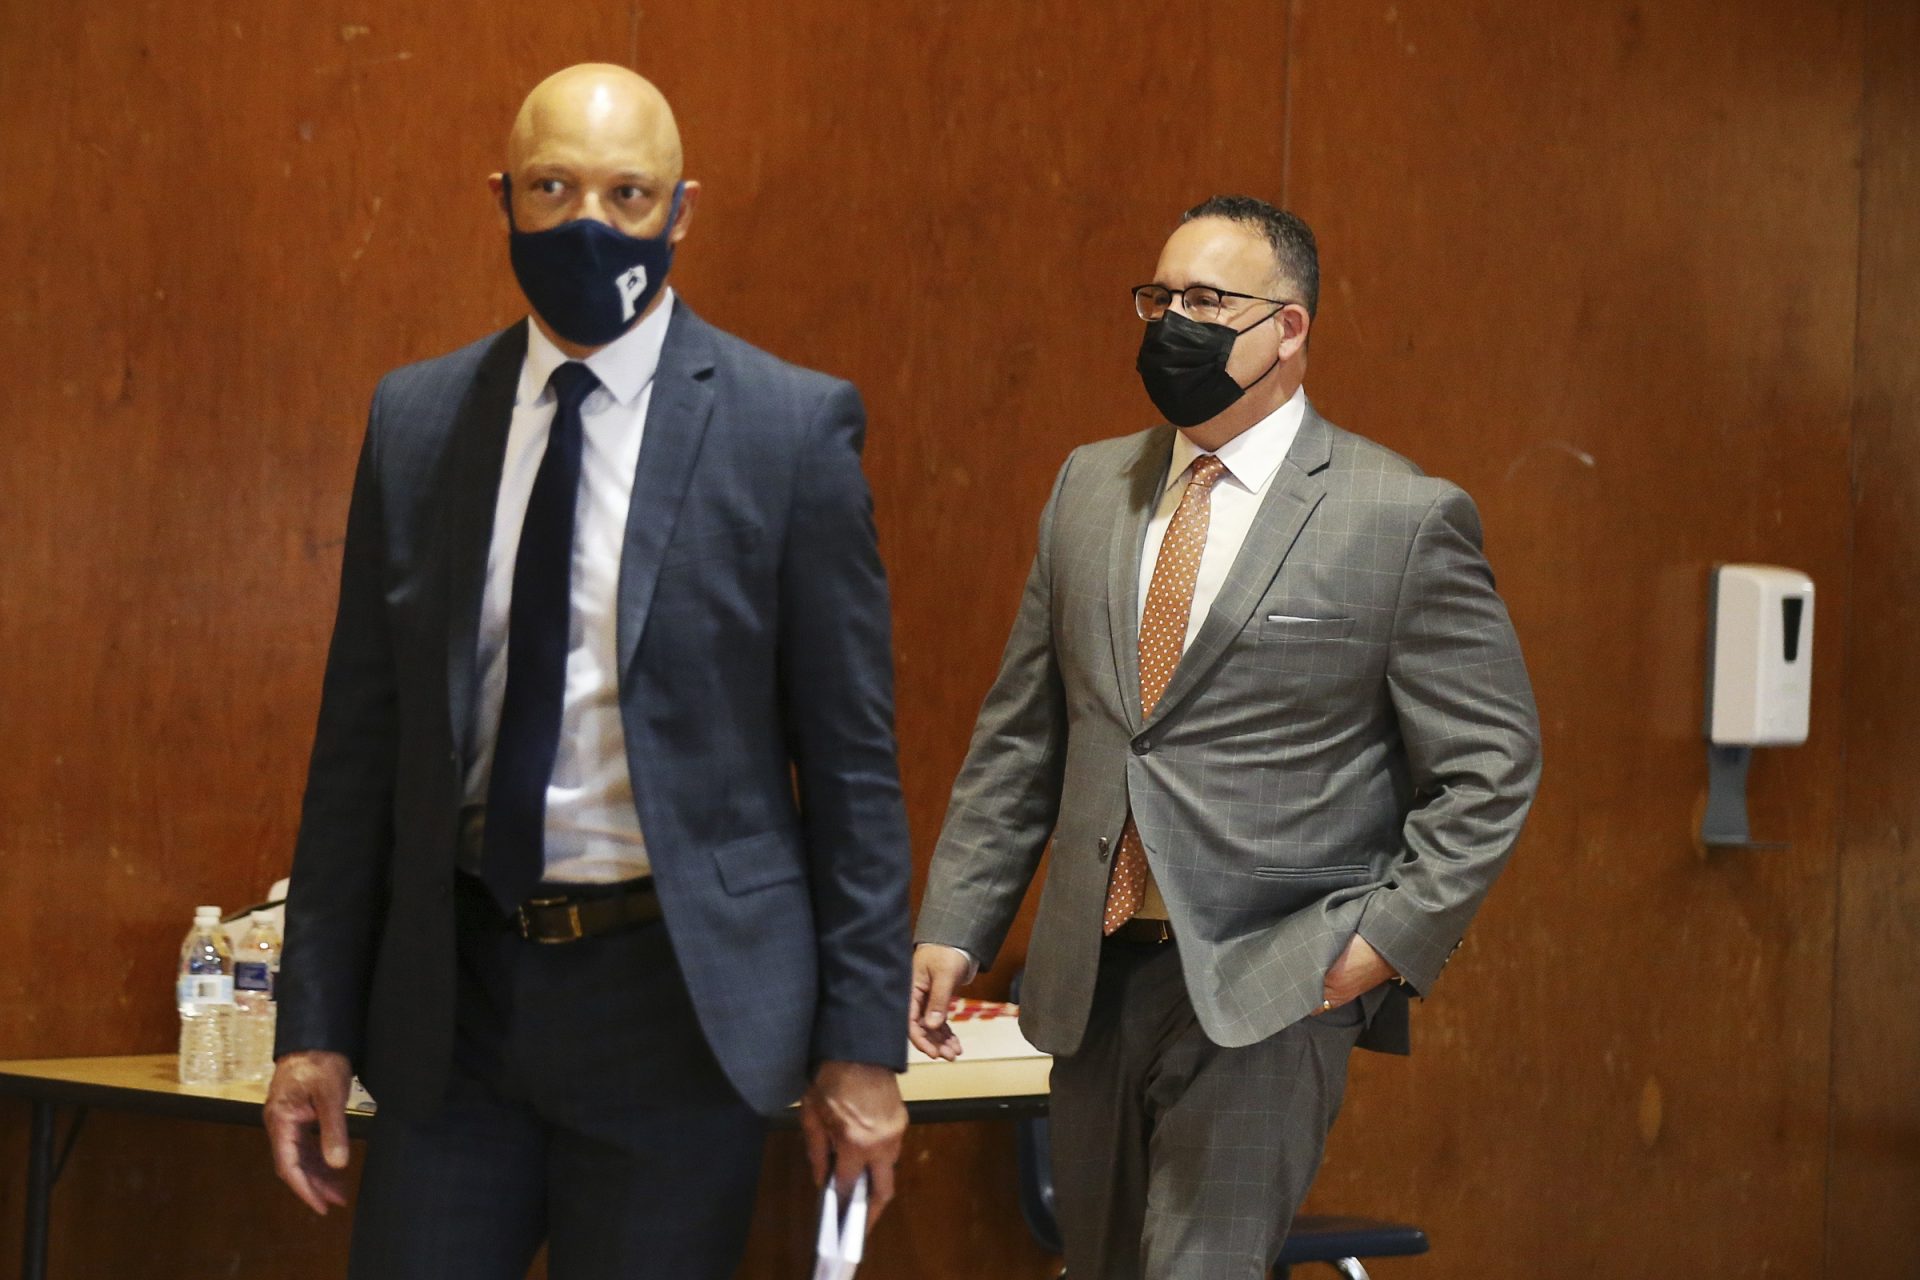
(1183,365)
(585,279)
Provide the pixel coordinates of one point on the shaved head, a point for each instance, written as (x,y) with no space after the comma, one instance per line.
(597,107)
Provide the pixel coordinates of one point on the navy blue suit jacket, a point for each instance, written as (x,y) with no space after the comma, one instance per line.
(756,692)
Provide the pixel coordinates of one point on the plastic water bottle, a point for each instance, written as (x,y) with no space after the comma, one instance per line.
(256,969)
(205,995)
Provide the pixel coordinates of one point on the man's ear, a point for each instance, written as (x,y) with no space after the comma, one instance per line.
(689,197)
(497,183)
(1296,325)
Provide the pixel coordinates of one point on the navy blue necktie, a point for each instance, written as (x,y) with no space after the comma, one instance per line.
(513,851)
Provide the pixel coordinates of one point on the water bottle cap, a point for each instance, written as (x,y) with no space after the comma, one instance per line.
(206,913)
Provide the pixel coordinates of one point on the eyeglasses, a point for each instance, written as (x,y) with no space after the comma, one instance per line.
(1201,301)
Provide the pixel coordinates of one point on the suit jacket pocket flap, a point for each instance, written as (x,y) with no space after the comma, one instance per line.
(1331,877)
(1282,626)
(756,862)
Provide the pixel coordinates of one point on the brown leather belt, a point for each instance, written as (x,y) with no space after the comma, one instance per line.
(571,917)
(1144,931)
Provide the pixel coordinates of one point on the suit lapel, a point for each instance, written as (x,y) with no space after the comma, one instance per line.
(676,424)
(475,454)
(1296,491)
(1143,481)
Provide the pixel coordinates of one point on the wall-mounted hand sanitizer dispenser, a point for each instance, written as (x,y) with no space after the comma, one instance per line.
(1761,682)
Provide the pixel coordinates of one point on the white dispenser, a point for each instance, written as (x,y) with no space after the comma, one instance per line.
(1760,683)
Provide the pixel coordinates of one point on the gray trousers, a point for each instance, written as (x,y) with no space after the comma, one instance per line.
(1174,1158)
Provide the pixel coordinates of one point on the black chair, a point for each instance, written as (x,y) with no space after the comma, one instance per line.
(1338,1242)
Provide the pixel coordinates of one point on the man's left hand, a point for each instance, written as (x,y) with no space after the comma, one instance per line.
(1358,970)
(854,1119)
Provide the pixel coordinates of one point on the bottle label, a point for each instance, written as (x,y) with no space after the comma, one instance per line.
(204,989)
(253,975)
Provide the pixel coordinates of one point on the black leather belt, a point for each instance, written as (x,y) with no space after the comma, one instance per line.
(1143,931)
(569,917)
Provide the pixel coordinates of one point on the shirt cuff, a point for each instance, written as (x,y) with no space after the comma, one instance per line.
(973,965)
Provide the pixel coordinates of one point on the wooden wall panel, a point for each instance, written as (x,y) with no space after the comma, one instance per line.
(1596,263)
(948,206)
(1595,260)
(1873,1199)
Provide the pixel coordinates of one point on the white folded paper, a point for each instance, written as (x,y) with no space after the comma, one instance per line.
(842,1234)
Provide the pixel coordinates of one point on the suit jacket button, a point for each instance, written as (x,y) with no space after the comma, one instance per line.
(1142,746)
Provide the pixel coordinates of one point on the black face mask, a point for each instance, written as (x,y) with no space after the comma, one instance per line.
(1183,365)
(586,279)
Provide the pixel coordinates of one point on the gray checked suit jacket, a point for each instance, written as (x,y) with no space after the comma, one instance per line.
(1349,743)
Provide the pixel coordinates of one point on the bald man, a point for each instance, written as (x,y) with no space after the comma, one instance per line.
(603,857)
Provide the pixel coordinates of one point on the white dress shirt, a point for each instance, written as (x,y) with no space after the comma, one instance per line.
(593,831)
(1252,459)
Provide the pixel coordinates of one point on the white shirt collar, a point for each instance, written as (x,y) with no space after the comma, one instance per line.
(624,366)
(1252,457)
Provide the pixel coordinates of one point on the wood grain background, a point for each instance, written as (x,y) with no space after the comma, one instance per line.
(1639,276)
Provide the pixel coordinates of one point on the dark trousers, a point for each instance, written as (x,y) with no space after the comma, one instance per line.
(1175,1158)
(585,1110)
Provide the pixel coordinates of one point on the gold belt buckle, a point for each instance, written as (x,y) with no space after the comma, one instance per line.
(575,932)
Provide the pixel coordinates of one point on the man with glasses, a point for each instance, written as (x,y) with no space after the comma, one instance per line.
(1264,702)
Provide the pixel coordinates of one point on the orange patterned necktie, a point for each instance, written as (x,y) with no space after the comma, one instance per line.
(1163,637)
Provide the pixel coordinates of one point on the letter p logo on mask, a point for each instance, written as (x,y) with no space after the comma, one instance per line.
(632,285)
